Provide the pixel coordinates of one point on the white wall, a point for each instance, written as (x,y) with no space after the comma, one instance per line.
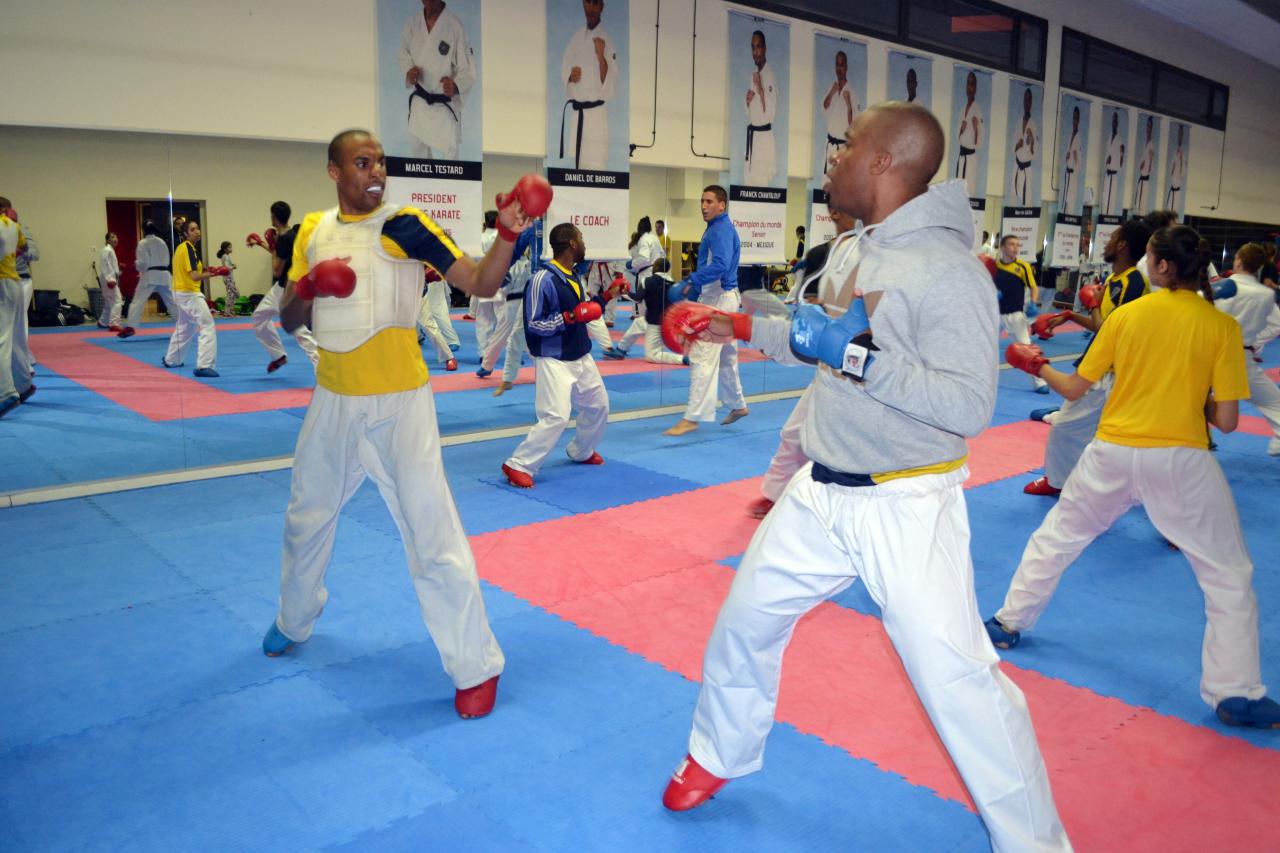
(176,79)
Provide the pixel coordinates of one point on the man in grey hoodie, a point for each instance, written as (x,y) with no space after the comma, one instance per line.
(906,347)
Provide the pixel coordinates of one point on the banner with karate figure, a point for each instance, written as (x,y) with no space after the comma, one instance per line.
(911,78)
(1115,160)
(429,113)
(1024,164)
(589,122)
(1146,165)
(1073,158)
(839,94)
(970,148)
(1175,168)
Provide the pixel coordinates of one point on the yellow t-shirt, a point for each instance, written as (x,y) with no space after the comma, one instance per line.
(391,360)
(12,241)
(185,262)
(1167,350)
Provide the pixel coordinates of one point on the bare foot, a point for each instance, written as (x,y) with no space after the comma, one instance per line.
(502,389)
(682,426)
(735,415)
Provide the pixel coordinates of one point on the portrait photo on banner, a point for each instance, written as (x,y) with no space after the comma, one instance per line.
(1175,168)
(588,85)
(970,111)
(910,78)
(1024,156)
(759,80)
(1115,160)
(839,94)
(1146,165)
(429,87)
(1073,153)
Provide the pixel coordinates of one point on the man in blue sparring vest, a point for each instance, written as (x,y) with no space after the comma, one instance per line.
(556,313)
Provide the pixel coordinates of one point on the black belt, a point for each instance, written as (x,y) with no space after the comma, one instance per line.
(751,132)
(1144,177)
(964,155)
(432,98)
(578,107)
(512,297)
(835,140)
(823,474)
(153,269)
(1021,165)
(1112,171)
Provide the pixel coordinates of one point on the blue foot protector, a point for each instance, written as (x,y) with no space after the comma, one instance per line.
(1001,637)
(454,347)
(1038,414)
(8,404)
(1261,713)
(168,365)
(206,372)
(1043,389)
(275,643)
(482,373)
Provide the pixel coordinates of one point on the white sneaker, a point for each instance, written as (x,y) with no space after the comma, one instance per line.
(1273,447)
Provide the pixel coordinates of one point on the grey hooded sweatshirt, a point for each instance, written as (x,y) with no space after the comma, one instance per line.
(933,380)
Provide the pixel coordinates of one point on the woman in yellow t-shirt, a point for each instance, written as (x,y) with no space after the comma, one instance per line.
(1151,448)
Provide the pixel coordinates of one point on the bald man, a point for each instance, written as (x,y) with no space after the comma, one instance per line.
(906,369)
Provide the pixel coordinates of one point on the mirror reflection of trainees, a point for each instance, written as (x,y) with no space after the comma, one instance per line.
(1176,169)
(1115,162)
(1026,145)
(970,136)
(762,107)
(589,72)
(1145,165)
(840,106)
(1071,161)
(435,58)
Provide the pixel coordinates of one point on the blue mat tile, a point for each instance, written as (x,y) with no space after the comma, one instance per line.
(586,488)
(252,770)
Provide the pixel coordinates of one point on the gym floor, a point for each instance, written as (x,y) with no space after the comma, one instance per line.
(141,714)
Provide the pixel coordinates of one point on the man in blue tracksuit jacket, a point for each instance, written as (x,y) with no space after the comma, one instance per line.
(714,283)
(556,313)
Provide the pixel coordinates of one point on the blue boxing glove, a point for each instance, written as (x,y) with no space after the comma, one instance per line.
(1224,288)
(682,290)
(843,343)
(1032,310)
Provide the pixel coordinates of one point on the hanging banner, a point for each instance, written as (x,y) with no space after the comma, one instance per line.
(1073,153)
(1146,168)
(1066,241)
(1175,185)
(840,93)
(429,111)
(1106,227)
(1115,160)
(588,122)
(971,97)
(911,78)
(1024,165)
(759,61)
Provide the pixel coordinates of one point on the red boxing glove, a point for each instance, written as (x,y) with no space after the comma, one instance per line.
(1090,296)
(333,277)
(584,312)
(990,263)
(619,285)
(271,238)
(685,321)
(218,270)
(1044,325)
(254,239)
(1026,357)
(532,191)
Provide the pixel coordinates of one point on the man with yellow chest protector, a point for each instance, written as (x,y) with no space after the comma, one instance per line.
(356,280)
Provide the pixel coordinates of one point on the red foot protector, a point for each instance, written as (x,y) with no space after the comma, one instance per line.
(476,701)
(691,786)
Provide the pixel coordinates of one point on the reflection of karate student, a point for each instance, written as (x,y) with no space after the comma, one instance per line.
(1014,278)
(762,107)
(839,106)
(1152,449)
(589,73)
(1145,165)
(15,378)
(556,311)
(109,284)
(507,327)
(1025,147)
(194,319)
(1253,305)
(1071,160)
(969,136)
(264,316)
(648,320)
(435,58)
(1177,165)
(151,258)
(1114,163)
(357,276)
(487,309)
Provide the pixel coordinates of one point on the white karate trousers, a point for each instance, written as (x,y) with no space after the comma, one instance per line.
(562,387)
(1073,428)
(193,321)
(718,361)
(264,328)
(1016,325)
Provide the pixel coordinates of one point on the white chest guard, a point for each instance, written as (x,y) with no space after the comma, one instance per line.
(388,290)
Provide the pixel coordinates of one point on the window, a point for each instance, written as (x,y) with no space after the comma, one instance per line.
(874,17)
